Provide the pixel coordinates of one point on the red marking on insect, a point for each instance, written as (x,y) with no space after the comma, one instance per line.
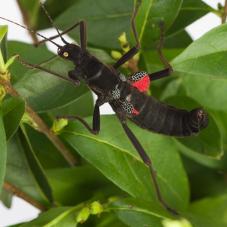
(135,112)
(143,84)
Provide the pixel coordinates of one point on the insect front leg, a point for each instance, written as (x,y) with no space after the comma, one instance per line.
(34,66)
(134,50)
(146,159)
(168,68)
(74,75)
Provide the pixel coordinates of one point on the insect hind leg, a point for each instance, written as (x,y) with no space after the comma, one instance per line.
(146,159)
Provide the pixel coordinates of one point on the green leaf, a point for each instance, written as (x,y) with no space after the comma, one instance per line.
(117,16)
(109,220)
(79,186)
(46,152)
(54,8)
(35,166)
(2,151)
(44,91)
(153,13)
(56,217)
(204,181)
(26,52)
(190,11)
(202,69)
(99,14)
(135,213)
(208,212)
(180,39)
(13,110)
(3,32)
(74,108)
(153,63)
(18,172)
(3,43)
(112,153)
(6,198)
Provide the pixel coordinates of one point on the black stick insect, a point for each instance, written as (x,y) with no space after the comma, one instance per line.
(126,97)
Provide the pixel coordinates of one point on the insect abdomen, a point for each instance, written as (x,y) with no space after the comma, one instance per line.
(162,118)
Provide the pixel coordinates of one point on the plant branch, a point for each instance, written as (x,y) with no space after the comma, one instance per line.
(16,191)
(26,21)
(42,126)
(224,14)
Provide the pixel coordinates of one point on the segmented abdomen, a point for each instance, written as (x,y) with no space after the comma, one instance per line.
(162,118)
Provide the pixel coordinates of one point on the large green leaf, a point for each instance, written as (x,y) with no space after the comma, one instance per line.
(202,69)
(112,153)
(35,166)
(2,151)
(18,172)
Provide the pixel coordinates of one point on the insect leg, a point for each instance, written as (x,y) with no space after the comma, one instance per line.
(34,66)
(160,47)
(168,70)
(133,51)
(160,74)
(146,159)
(96,120)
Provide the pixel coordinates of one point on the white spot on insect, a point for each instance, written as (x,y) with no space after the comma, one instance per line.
(128,98)
(127,107)
(116,93)
(138,75)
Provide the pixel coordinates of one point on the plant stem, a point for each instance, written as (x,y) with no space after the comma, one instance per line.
(26,21)
(42,126)
(16,191)
(224,15)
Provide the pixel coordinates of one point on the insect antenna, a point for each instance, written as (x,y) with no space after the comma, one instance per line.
(31,30)
(52,22)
